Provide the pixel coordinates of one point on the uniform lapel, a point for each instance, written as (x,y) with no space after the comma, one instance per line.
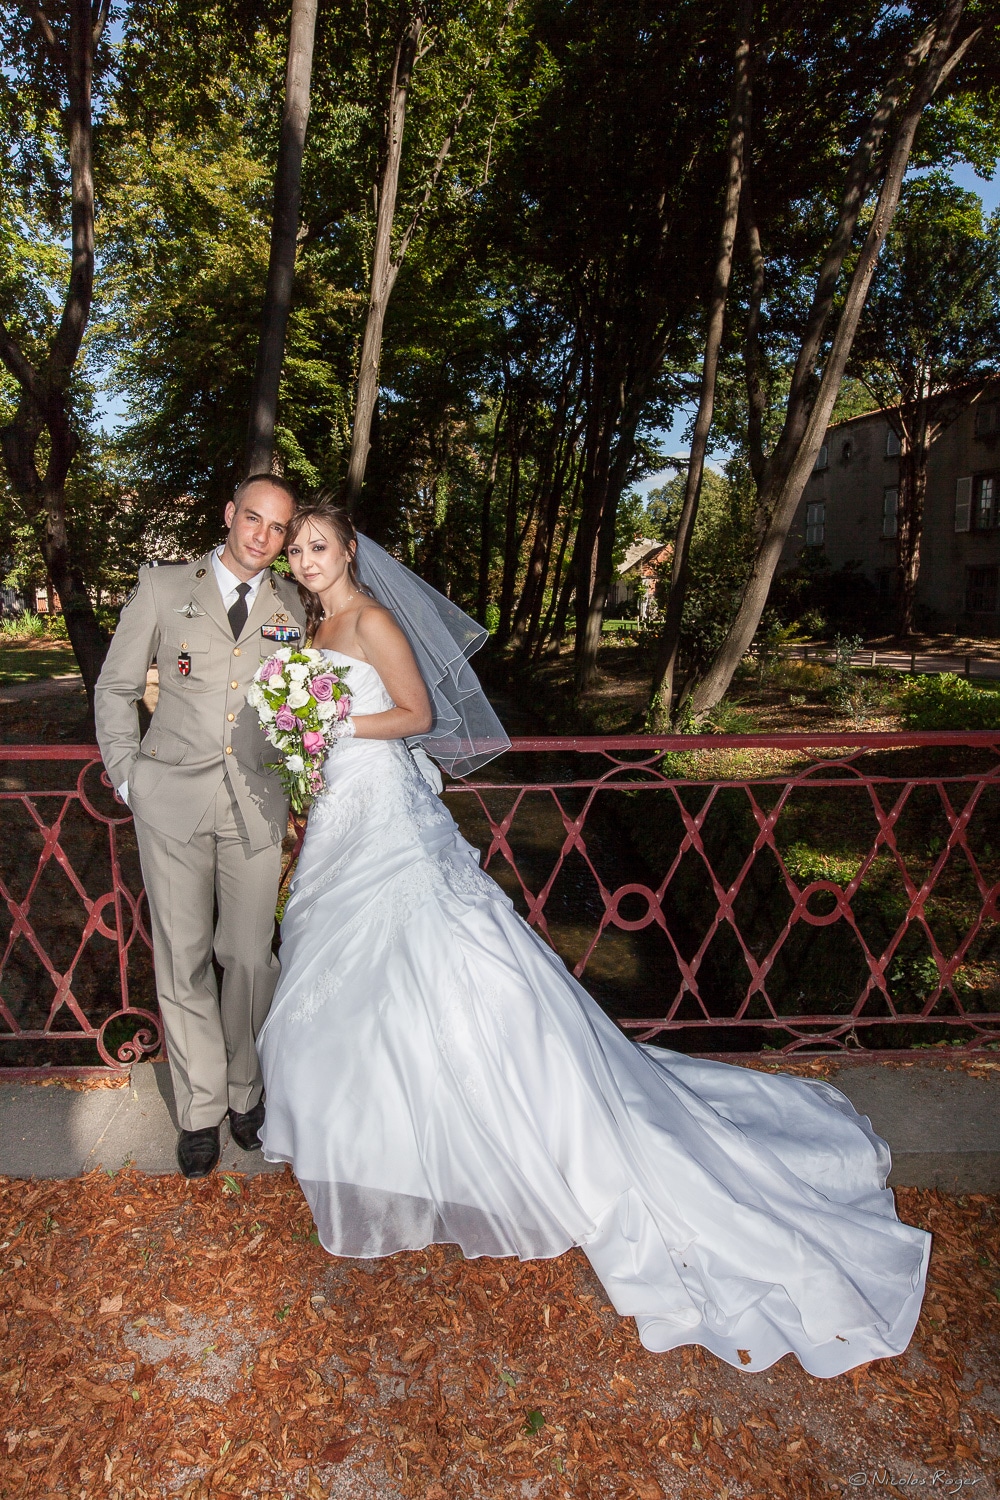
(206,594)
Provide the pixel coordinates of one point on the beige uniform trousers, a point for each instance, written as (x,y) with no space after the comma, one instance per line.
(211,1046)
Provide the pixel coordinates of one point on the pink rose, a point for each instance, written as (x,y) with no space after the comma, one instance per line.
(271,668)
(285,719)
(343,707)
(313,742)
(321,687)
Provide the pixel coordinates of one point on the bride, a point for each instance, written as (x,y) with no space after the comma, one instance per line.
(434,1074)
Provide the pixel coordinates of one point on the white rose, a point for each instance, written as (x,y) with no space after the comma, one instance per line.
(265,713)
(284,653)
(277,684)
(295,764)
(254,694)
(326,710)
(298,695)
(298,671)
(312,655)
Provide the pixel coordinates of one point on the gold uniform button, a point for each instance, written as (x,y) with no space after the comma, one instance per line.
(237,652)
(229,749)
(234,684)
(230,717)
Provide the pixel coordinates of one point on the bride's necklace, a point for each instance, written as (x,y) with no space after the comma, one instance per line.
(328,615)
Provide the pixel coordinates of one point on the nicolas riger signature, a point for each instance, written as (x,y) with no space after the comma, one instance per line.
(881,1477)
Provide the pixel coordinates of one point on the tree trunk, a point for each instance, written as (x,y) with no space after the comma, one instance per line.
(666,662)
(385,265)
(384,268)
(586,662)
(284,238)
(913,455)
(541,546)
(932,59)
(510,547)
(486,513)
(44,401)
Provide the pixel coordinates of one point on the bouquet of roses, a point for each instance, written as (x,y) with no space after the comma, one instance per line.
(300,700)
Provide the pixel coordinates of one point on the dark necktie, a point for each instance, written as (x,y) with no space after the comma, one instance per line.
(238,612)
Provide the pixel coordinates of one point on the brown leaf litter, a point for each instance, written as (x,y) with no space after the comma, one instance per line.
(164,1338)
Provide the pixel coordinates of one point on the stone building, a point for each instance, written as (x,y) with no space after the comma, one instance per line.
(849,510)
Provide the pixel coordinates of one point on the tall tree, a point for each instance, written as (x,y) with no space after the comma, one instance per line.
(41,440)
(387,256)
(284,239)
(930,332)
(881,158)
(666,665)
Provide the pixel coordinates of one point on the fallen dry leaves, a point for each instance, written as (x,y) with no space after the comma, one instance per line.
(191,1339)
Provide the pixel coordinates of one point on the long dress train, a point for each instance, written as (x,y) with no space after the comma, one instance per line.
(434,1074)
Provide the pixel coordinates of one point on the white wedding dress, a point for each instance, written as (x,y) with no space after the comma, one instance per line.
(434,1074)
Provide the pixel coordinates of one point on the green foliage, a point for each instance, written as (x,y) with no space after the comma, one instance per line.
(949,702)
(27,626)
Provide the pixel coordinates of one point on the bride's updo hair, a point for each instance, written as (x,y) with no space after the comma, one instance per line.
(334,518)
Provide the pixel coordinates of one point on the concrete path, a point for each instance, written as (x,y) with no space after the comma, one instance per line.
(943,1127)
(921,662)
(55,1132)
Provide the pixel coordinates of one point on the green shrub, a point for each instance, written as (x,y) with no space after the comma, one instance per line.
(949,702)
(26,626)
(55,628)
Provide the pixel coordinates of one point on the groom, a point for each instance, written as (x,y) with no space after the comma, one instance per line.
(209,814)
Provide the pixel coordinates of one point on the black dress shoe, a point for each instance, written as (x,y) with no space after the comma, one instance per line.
(198,1151)
(244,1128)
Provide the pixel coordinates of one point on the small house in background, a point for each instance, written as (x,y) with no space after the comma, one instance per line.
(638,573)
(47,601)
(848,510)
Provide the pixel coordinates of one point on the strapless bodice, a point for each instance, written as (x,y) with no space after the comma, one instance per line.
(367,690)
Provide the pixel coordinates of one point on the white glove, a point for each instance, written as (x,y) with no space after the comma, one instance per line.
(123,792)
(427,768)
(344,729)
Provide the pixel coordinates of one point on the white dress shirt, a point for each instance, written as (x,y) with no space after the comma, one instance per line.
(227,588)
(228,581)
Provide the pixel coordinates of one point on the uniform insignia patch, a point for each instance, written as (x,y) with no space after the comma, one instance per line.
(189,611)
(184,664)
(281,633)
(131,596)
(200,573)
(279,618)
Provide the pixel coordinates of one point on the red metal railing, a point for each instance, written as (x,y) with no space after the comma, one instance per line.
(867,883)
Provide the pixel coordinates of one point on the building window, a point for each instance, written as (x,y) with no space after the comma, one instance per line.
(890,505)
(987,420)
(846,449)
(981,591)
(822,459)
(892,443)
(984,490)
(815,524)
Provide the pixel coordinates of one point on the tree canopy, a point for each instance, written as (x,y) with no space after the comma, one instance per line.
(547,319)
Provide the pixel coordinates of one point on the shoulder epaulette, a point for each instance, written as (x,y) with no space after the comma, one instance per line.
(168,562)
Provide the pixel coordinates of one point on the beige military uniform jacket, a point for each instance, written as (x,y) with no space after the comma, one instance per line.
(203,729)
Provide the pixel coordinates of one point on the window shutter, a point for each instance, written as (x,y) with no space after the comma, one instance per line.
(892,444)
(822,459)
(963,503)
(890,506)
